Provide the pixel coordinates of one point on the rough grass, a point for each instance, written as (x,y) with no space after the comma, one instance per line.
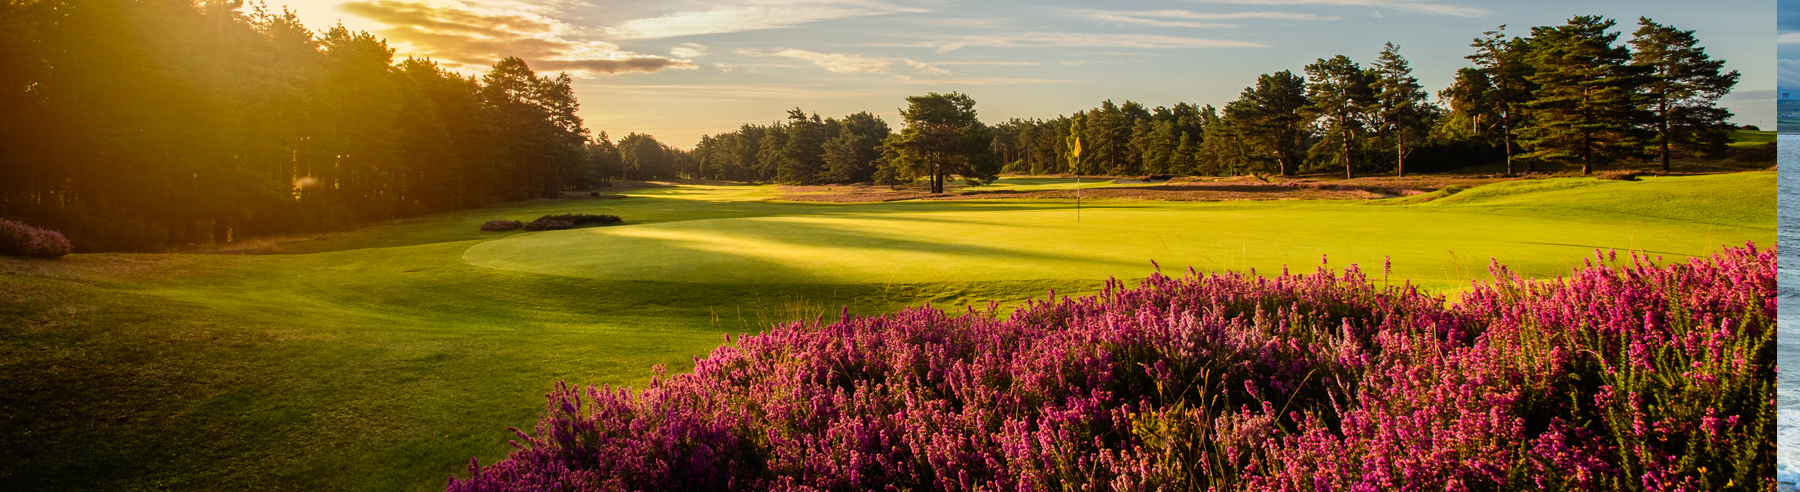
(381,360)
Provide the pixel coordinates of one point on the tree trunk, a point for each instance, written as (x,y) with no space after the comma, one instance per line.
(1400,154)
(1349,164)
(1506,140)
(1587,154)
(1664,137)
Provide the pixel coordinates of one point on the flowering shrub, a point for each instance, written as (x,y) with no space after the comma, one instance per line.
(19,239)
(583,219)
(502,225)
(548,224)
(1626,375)
(566,221)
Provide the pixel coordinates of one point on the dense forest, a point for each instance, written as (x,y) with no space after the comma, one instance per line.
(134,125)
(1570,94)
(129,126)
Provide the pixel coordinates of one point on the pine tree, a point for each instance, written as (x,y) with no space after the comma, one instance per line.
(945,136)
(1272,114)
(1586,107)
(1682,89)
(1401,111)
(1503,62)
(1343,94)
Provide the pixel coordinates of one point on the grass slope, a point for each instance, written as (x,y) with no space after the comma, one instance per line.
(384,358)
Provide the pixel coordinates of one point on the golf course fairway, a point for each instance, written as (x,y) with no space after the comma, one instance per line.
(1536,228)
(383,358)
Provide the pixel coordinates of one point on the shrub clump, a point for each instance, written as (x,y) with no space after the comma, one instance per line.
(502,225)
(20,239)
(1627,175)
(584,219)
(548,224)
(1626,375)
(566,221)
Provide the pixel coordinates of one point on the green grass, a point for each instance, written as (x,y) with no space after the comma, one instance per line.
(384,358)
(1746,138)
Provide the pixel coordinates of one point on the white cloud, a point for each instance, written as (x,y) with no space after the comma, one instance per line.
(1788,38)
(1787,74)
(688,50)
(1080,40)
(1160,18)
(724,68)
(980,81)
(848,63)
(1185,14)
(925,68)
(838,62)
(1020,63)
(467,38)
(1425,6)
(1108,17)
(736,18)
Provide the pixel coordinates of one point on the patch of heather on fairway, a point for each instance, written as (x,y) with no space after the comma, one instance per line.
(1626,375)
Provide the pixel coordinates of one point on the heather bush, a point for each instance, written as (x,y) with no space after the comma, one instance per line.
(502,225)
(20,239)
(1626,375)
(566,221)
(548,224)
(1626,175)
(584,219)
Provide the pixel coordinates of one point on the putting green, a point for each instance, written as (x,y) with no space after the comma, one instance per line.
(1539,228)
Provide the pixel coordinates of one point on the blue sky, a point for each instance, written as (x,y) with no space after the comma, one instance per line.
(678,69)
(1787,45)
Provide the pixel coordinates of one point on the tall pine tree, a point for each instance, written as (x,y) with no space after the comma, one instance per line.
(1682,89)
(1586,106)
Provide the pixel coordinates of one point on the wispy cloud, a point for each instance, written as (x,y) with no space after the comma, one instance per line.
(1425,6)
(736,18)
(688,50)
(1787,74)
(472,38)
(838,62)
(960,81)
(748,92)
(1016,63)
(1788,38)
(848,63)
(1127,19)
(1079,40)
(926,68)
(1188,14)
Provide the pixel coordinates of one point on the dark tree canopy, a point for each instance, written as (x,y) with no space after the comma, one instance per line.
(944,136)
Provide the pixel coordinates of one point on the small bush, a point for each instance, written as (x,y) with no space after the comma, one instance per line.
(584,219)
(502,225)
(1620,175)
(1453,189)
(19,239)
(51,244)
(549,224)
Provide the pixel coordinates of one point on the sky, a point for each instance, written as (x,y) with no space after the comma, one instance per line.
(1787,45)
(679,69)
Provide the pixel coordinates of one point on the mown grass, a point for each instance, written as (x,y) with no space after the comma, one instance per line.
(382,360)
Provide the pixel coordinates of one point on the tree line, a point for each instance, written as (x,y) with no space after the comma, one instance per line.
(1569,94)
(132,125)
(129,126)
